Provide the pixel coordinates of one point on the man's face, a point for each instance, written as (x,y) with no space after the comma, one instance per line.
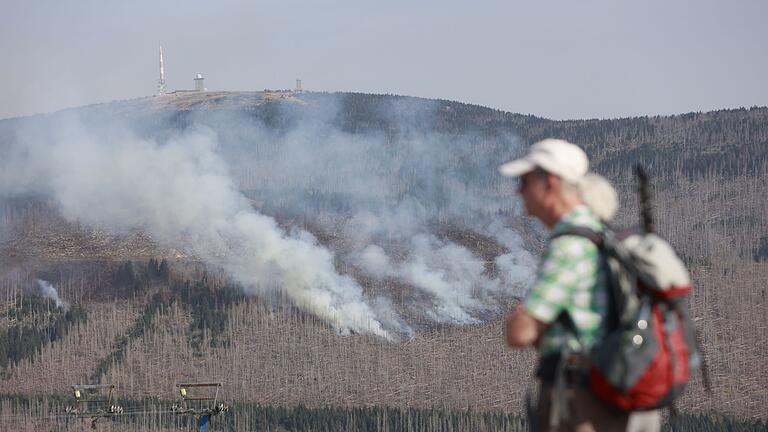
(532,187)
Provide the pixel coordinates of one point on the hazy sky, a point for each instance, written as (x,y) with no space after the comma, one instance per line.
(556,59)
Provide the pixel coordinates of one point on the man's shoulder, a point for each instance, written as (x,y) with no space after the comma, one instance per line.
(571,246)
(575,229)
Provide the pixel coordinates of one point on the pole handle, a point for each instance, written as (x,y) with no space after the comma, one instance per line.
(644,192)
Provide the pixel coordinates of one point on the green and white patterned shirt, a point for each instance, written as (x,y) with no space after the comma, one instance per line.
(572,278)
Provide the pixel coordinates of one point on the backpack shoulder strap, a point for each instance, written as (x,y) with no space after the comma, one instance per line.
(617,298)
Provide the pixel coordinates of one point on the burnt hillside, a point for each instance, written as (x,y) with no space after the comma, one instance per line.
(410,184)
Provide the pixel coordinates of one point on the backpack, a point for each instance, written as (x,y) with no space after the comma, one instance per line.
(649,349)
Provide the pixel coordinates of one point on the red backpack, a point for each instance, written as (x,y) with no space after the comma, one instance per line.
(649,350)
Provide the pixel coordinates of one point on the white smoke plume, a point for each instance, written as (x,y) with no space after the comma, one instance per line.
(517,266)
(49,291)
(181,191)
(449,273)
(394,189)
(446,271)
(382,190)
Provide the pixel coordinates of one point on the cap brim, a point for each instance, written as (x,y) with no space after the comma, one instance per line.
(517,167)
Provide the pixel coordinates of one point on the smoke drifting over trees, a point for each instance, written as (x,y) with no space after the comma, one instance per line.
(49,291)
(213,182)
(380,206)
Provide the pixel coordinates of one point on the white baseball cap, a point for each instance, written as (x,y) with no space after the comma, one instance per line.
(561,158)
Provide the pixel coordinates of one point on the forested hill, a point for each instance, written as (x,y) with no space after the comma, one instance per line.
(728,142)
(397,200)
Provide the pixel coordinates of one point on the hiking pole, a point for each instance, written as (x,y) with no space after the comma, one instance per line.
(646,211)
(647,224)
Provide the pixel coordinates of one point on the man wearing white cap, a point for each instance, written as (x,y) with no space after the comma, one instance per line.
(557,189)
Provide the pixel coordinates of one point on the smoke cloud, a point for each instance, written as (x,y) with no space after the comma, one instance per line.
(48,291)
(180,191)
(217,183)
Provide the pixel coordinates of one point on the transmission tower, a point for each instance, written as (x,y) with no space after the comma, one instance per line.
(94,401)
(161,90)
(200,400)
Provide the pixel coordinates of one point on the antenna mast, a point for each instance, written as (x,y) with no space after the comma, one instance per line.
(161,82)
